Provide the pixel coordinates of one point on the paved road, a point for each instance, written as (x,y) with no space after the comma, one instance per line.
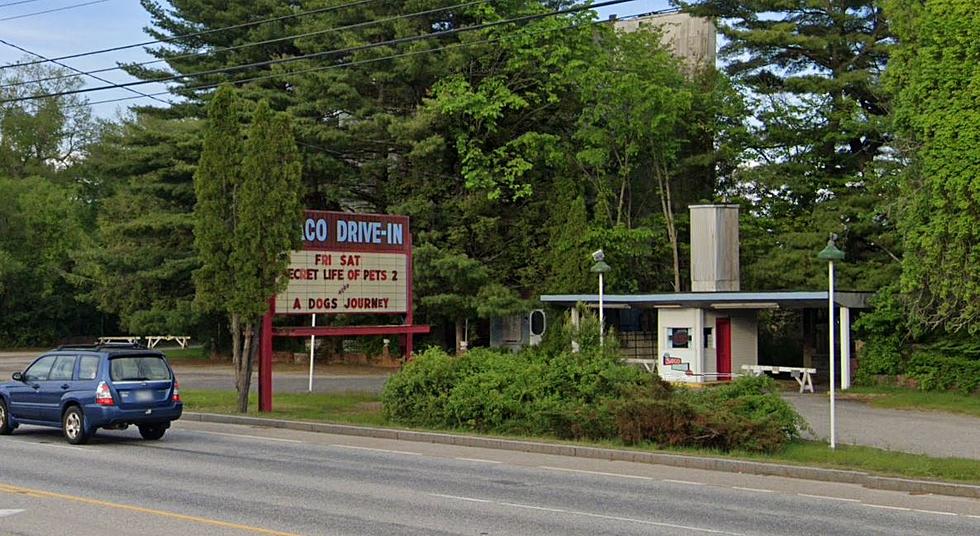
(857,423)
(222,377)
(933,433)
(224,479)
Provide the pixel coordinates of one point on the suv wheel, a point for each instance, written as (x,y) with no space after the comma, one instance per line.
(73,424)
(5,427)
(152,432)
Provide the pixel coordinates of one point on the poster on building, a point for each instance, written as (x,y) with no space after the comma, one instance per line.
(350,263)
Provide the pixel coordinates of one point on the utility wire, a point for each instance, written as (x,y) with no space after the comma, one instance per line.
(360,62)
(64,8)
(18,3)
(197,34)
(265,42)
(444,33)
(69,67)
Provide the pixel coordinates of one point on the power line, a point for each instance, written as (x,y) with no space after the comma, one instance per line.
(265,42)
(312,69)
(358,62)
(444,33)
(197,34)
(69,67)
(18,3)
(64,8)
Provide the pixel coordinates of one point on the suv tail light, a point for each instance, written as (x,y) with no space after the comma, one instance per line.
(176,397)
(102,395)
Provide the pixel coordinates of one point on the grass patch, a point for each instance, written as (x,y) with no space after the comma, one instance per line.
(186,355)
(347,408)
(901,398)
(365,409)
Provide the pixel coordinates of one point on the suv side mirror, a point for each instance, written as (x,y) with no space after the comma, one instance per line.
(17,377)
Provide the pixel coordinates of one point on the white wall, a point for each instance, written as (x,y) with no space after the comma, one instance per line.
(690,319)
(703,360)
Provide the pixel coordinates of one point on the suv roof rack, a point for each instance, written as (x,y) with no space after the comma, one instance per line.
(104,345)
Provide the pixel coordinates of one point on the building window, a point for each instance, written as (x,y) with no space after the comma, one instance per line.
(708,338)
(678,337)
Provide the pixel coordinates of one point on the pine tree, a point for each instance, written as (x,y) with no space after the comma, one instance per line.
(246,215)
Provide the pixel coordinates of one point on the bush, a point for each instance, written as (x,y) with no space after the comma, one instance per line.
(567,394)
(746,414)
(589,395)
(881,355)
(938,372)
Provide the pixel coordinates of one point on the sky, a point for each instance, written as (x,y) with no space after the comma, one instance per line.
(107,23)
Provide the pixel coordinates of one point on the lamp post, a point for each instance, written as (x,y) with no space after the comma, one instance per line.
(600,267)
(831,254)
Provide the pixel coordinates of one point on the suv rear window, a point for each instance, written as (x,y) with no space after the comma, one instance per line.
(138,368)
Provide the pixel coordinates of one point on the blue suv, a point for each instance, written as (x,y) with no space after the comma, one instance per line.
(83,388)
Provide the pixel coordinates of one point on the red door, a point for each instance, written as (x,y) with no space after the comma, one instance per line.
(724,348)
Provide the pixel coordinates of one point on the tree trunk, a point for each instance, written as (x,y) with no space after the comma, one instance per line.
(244,373)
(667,206)
(236,348)
(459,336)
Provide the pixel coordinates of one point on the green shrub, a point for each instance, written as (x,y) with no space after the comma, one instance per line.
(938,372)
(881,355)
(589,394)
(746,414)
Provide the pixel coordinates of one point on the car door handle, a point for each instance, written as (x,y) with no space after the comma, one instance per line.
(65,386)
(36,386)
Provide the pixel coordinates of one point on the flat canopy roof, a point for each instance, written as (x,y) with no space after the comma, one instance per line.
(718,300)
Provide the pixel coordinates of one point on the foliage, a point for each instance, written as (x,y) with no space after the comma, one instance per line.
(811,163)
(42,137)
(40,228)
(247,211)
(141,198)
(934,76)
(746,414)
(552,390)
(884,331)
(934,371)
(568,394)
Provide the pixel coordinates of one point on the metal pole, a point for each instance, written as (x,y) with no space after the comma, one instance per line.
(833,382)
(312,346)
(602,318)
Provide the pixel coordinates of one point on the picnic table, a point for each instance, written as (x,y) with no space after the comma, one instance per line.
(803,376)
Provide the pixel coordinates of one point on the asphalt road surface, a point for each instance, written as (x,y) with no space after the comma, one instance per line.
(225,479)
(221,377)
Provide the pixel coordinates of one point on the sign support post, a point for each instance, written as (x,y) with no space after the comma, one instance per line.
(312,346)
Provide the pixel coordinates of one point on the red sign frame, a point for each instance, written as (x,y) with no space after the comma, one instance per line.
(345,232)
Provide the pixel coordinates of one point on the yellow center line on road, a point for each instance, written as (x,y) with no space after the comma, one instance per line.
(6,488)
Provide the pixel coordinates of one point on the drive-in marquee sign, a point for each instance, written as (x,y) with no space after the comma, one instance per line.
(350,263)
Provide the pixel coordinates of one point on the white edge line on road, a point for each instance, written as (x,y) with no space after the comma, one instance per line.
(900,508)
(587,514)
(974,517)
(757,490)
(244,436)
(379,450)
(938,513)
(477,460)
(7,513)
(828,497)
(600,473)
(458,498)
(684,482)
(531,507)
